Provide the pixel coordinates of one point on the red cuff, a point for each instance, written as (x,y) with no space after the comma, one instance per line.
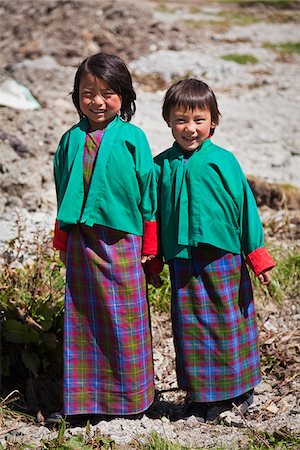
(154,266)
(260,260)
(150,240)
(60,238)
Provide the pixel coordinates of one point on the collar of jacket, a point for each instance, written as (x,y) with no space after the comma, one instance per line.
(181,190)
(78,134)
(70,200)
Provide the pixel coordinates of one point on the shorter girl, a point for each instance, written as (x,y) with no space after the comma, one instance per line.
(105,230)
(209,223)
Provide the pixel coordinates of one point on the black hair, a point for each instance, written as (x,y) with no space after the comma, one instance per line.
(191,94)
(113,70)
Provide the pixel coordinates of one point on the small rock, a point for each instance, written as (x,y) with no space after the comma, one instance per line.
(232,419)
(272,408)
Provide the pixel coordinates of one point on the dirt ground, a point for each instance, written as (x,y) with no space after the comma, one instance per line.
(43,43)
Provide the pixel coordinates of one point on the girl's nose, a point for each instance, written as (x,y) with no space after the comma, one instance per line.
(98,99)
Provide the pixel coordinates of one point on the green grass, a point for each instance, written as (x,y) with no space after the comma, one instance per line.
(240,58)
(239,17)
(281,439)
(285,47)
(160,298)
(278,4)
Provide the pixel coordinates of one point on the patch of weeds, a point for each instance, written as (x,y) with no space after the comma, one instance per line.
(31,303)
(151,82)
(195,10)
(289,48)
(156,442)
(187,74)
(218,25)
(281,439)
(160,298)
(278,4)
(163,8)
(84,441)
(240,58)
(240,18)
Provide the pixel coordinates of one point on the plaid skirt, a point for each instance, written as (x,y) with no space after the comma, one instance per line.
(214,325)
(108,365)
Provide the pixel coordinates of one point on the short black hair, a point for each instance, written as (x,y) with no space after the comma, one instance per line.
(113,70)
(191,93)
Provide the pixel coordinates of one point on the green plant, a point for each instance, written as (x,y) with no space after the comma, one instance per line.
(238,17)
(281,439)
(31,302)
(284,47)
(240,59)
(160,298)
(87,441)
(156,442)
(279,4)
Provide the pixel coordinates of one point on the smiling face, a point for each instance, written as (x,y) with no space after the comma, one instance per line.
(190,127)
(98,102)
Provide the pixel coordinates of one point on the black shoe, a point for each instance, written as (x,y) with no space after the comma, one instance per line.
(55,418)
(244,401)
(216,408)
(197,409)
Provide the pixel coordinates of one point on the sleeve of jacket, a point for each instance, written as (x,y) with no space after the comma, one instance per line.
(156,265)
(147,185)
(252,233)
(60,237)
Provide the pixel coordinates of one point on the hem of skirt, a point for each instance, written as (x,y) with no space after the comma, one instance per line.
(112,413)
(200,398)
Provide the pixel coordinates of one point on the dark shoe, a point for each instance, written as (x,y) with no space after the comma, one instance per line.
(197,409)
(76,420)
(244,401)
(55,418)
(216,408)
(157,410)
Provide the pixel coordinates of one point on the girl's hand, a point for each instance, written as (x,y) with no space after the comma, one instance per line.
(265,277)
(154,279)
(146,258)
(63,256)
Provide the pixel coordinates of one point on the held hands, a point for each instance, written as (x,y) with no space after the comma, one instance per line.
(265,277)
(146,258)
(152,278)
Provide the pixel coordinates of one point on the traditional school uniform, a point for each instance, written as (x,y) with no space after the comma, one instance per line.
(106,207)
(209,223)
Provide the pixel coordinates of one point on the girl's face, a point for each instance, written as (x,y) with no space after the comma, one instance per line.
(190,127)
(98,102)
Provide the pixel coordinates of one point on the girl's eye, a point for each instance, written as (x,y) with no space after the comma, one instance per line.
(108,94)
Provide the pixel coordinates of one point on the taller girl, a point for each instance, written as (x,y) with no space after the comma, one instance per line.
(105,231)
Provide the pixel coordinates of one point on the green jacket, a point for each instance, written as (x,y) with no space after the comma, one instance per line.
(122,192)
(205,199)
